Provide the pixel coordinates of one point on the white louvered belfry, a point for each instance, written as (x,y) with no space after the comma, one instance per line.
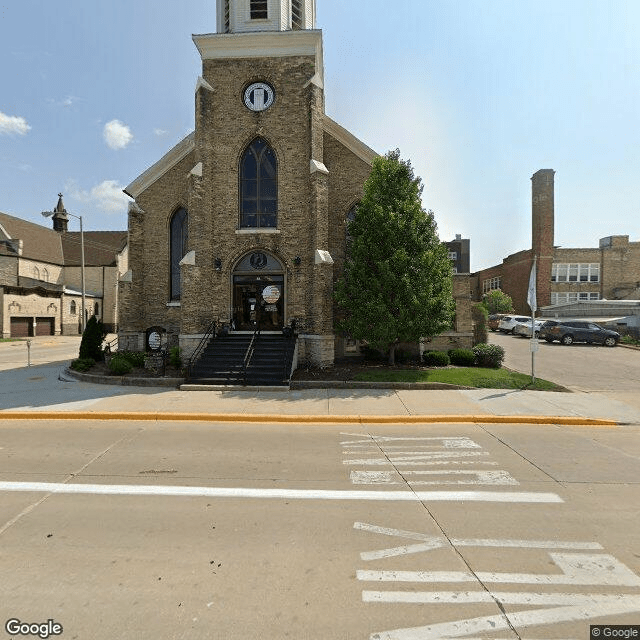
(245,16)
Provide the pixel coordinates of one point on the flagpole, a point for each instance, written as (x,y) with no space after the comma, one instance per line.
(531,299)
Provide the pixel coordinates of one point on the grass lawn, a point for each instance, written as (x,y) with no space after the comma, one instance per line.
(12,339)
(464,376)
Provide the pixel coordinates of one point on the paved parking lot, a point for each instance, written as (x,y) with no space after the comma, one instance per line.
(581,367)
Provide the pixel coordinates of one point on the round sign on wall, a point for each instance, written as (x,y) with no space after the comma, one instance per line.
(271,294)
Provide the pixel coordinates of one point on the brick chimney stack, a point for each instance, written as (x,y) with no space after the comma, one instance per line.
(542,215)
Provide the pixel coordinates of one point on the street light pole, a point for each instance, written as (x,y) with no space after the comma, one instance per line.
(48,214)
(84,317)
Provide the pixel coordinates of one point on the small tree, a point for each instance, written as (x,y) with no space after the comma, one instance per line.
(479,316)
(497,301)
(397,280)
(91,343)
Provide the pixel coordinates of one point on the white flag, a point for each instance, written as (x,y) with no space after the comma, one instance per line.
(531,294)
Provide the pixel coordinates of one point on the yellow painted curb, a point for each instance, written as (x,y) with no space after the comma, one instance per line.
(320,419)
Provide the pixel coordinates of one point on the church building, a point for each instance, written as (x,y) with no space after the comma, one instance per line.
(244,221)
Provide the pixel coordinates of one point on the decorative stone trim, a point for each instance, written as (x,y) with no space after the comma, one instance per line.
(266,230)
(323,257)
(189,258)
(156,171)
(365,153)
(203,84)
(316,166)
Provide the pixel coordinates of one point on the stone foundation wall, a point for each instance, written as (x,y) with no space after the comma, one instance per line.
(314,350)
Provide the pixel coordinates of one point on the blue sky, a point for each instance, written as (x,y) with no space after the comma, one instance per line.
(478,94)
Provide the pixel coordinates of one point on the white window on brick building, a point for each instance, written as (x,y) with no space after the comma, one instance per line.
(575,272)
(566,297)
(490,284)
(72,308)
(453,255)
(45,275)
(36,273)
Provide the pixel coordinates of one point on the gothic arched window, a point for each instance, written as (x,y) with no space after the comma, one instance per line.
(258,186)
(178,248)
(351,216)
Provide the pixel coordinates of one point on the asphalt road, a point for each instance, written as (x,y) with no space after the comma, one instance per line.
(581,367)
(233,532)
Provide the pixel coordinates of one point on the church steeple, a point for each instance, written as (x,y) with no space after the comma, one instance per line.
(60,217)
(244,16)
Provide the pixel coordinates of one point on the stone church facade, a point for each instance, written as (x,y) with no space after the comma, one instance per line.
(245,219)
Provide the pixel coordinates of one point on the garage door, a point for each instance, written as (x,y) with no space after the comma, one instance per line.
(45,326)
(21,327)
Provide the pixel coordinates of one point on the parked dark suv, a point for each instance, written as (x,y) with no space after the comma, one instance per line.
(570,331)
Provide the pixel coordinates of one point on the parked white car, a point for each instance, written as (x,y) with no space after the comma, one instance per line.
(508,323)
(523,329)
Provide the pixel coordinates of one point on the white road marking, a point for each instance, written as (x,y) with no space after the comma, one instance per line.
(416,460)
(291,494)
(504,597)
(472,477)
(577,569)
(433,542)
(581,607)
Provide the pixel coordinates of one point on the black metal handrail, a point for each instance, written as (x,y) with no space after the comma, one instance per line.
(291,335)
(248,355)
(204,341)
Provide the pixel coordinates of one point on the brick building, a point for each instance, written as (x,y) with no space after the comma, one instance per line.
(245,220)
(460,254)
(40,276)
(564,275)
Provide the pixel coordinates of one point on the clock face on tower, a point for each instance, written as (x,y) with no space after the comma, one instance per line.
(258,96)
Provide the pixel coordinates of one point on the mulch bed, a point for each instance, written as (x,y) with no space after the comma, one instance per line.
(349,369)
(340,370)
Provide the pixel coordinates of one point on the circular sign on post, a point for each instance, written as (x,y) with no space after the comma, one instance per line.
(271,294)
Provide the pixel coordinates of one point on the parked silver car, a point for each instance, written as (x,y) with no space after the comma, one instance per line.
(524,328)
(508,323)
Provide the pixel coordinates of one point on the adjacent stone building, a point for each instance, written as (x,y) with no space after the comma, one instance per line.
(245,219)
(40,276)
(564,275)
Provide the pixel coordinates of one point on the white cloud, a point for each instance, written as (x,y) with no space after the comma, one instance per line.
(117,135)
(106,196)
(10,125)
(160,132)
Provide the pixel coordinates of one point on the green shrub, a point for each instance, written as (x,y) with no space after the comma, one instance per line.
(174,357)
(435,359)
(119,365)
(480,319)
(91,343)
(372,355)
(82,364)
(135,358)
(489,355)
(462,357)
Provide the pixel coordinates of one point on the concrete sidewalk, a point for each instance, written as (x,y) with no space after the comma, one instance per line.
(44,391)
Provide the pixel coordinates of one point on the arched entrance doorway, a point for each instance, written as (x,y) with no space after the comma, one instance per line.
(258,293)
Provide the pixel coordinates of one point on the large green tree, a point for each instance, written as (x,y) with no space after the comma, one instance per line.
(497,301)
(397,279)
